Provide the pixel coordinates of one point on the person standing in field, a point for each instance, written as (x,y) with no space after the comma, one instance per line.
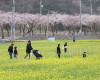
(65,47)
(10,50)
(73,39)
(84,55)
(28,49)
(58,50)
(15,52)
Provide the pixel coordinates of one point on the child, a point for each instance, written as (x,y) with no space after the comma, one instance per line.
(15,52)
(58,50)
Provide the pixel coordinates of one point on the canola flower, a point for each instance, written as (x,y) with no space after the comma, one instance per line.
(50,67)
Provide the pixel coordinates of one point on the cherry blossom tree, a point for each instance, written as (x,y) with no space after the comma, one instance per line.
(26,22)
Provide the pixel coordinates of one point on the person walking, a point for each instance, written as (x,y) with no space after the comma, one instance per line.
(15,53)
(65,47)
(10,50)
(28,49)
(58,50)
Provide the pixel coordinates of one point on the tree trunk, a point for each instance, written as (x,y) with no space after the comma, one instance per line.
(8,32)
(2,32)
(24,31)
(20,30)
(32,32)
(45,32)
(56,32)
(40,32)
(69,32)
(85,32)
(53,33)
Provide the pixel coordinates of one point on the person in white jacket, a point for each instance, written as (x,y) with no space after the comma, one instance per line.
(65,47)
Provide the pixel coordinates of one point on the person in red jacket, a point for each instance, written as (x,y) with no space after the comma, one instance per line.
(15,53)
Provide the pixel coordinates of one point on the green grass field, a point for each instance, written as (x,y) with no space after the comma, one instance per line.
(71,65)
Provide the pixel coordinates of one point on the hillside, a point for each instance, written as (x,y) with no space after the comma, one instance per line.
(61,6)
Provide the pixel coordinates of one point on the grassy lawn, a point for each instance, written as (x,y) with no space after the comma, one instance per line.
(71,65)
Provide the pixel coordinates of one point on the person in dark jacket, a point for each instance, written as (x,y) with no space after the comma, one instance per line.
(58,50)
(84,55)
(10,50)
(65,47)
(28,49)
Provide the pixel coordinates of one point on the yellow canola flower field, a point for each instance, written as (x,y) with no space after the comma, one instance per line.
(52,69)
(68,67)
